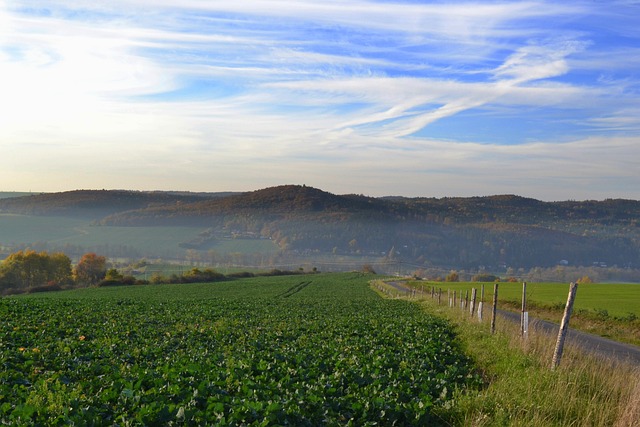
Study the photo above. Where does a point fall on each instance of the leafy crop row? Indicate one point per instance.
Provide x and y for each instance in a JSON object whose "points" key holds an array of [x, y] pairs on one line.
{"points": [[247, 352]]}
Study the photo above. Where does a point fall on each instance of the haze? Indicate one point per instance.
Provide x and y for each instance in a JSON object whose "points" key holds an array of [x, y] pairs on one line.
{"points": [[534, 98]]}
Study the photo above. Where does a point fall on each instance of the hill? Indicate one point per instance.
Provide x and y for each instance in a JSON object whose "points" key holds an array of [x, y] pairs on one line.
{"points": [[282, 202], [495, 232], [93, 203]]}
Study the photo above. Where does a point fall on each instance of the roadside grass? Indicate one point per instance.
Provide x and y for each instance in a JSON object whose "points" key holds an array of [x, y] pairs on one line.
{"points": [[522, 390]]}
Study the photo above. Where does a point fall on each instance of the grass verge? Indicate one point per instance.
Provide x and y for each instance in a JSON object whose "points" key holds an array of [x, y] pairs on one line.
{"points": [[520, 389]]}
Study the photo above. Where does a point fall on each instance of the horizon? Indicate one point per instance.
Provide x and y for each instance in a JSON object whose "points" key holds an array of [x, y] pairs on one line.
{"points": [[32, 193], [374, 97]]}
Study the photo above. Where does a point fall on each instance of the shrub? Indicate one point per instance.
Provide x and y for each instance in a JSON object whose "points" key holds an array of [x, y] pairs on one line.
{"points": [[485, 277]]}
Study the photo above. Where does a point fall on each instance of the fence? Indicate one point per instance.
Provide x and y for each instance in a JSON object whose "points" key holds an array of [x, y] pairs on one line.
{"points": [[469, 302]]}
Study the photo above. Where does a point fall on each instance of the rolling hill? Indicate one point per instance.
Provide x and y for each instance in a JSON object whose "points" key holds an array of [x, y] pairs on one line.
{"points": [[494, 231]]}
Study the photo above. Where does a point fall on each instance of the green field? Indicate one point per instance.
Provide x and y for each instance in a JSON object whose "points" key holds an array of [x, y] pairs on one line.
{"points": [[615, 299], [319, 349], [148, 241]]}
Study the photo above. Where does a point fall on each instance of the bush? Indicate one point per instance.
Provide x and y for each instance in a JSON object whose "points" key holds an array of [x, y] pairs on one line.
{"points": [[109, 282], [45, 288], [241, 274], [485, 277], [368, 269]]}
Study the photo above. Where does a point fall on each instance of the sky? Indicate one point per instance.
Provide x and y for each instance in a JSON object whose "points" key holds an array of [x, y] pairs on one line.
{"points": [[413, 98]]}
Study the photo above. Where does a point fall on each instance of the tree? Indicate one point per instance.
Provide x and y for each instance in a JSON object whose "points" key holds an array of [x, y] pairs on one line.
{"points": [[90, 269], [26, 269], [114, 275], [60, 268], [453, 277], [368, 269], [584, 280]]}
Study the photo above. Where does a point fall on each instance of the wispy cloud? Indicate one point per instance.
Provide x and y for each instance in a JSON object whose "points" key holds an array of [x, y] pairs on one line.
{"points": [[282, 88]]}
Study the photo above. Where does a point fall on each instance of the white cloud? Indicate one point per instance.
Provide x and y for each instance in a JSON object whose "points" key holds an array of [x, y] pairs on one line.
{"points": [[334, 90]]}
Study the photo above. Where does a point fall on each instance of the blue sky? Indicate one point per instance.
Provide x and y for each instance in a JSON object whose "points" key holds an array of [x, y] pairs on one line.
{"points": [[414, 98]]}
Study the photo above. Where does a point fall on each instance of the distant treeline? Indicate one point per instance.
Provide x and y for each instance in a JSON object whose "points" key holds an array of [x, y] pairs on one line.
{"points": [[31, 271]]}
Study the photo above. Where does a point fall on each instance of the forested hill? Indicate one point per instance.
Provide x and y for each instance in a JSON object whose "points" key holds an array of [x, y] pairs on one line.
{"points": [[121, 207], [494, 230], [94, 203], [283, 202]]}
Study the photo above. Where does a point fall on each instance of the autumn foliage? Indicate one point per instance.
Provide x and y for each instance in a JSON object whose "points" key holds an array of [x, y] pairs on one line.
{"points": [[90, 269]]}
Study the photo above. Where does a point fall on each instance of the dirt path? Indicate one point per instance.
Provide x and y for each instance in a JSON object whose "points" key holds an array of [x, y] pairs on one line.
{"points": [[590, 343]]}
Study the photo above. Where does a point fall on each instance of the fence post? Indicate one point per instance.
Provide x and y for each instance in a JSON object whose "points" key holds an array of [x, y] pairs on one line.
{"points": [[472, 308], [481, 304], [493, 310], [439, 296], [562, 333], [524, 308], [454, 299]]}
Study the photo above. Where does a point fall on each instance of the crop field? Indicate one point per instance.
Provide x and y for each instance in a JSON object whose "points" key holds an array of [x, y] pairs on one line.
{"points": [[616, 299], [291, 350]]}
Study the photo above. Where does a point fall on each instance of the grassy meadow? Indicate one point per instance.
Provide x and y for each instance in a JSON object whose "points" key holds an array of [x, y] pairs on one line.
{"points": [[617, 299]]}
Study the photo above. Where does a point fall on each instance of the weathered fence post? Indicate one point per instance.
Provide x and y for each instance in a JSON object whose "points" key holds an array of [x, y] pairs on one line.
{"points": [[439, 296], [454, 299], [481, 304], [493, 310], [524, 308], [472, 308], [564, 325]]}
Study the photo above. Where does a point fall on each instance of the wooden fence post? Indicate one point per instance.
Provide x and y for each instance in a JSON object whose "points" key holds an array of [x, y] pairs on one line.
{"points": [[472, 308], [493, 310], [562, 333], [481, 304], [454, 298], [524, 308]]}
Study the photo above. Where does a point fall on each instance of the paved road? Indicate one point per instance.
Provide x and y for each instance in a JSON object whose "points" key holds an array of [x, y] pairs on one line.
{"points": [[588, 342], [594, 344]]}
